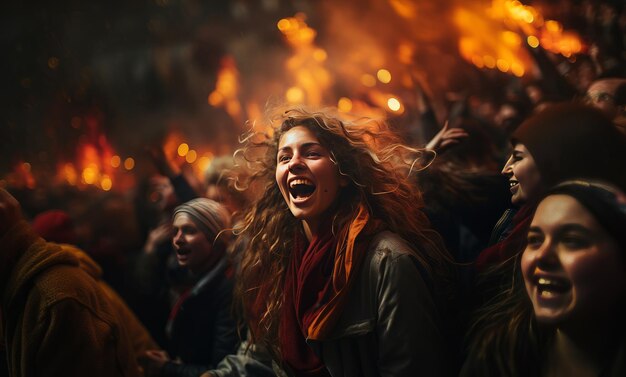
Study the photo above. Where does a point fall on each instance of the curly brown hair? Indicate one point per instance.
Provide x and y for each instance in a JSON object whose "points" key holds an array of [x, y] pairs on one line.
{"points": [[377, 168]]}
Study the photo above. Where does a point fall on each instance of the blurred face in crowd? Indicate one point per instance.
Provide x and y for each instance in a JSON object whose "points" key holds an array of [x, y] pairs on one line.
{"points": [[161, 192], [308, 178], [534, 93], [523, 174], [572, 267], [601, 94], [193, 249]]}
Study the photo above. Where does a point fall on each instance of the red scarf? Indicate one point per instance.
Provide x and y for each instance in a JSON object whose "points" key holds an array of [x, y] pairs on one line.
{"points": [[513, 244], [317, 281]]}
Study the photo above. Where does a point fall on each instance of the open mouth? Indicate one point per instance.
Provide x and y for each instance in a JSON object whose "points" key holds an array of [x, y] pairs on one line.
{"points": [[513, 183], [301, 188], [182, 252], [550, 287]]}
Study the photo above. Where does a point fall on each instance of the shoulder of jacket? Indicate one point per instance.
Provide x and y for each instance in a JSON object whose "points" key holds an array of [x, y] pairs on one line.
{"points": [[389, 244], [64, 282]]}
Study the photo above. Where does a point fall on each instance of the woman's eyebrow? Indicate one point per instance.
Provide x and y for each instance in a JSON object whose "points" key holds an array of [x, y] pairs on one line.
{"points": [[574, 227], [310, 144], [304, 145]]}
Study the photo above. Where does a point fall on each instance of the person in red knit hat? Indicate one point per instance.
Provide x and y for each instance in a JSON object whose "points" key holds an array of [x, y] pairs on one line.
{"points": [[55, 225], [564, 141]]}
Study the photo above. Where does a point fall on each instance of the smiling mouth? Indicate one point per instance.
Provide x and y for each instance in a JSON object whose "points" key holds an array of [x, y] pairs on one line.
{"points": [[301, 189], [551, 287], [513, 183]]}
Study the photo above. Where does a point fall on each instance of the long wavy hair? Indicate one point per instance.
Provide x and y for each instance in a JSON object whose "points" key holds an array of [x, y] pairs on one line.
{"points": [[376, 166], [504, 339]]}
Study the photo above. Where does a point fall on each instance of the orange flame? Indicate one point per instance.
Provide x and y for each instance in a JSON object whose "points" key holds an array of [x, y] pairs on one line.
{"points": [[306, 66], [180, 152], [227, 89], [494, 39], [95, 162]]}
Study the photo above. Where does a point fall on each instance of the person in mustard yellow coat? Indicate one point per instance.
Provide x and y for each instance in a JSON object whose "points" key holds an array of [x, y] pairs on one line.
{"points": [[57, 319]]}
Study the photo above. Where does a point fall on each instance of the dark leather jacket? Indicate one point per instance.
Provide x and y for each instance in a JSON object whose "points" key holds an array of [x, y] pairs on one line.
{"points": [[389, 327], [203, 329]]}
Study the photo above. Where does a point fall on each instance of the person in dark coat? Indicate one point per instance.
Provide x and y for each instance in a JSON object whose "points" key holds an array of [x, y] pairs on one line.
{"points": [[342, 275], [201, 329], [564, 141]]}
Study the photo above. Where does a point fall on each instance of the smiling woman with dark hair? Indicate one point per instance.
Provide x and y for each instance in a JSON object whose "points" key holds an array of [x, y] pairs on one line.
{"points": [[563, 142], [562, 314]]}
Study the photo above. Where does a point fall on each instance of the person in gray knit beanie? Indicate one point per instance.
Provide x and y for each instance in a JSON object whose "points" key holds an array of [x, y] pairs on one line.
{"points": [[211, 219], [201, 329]]}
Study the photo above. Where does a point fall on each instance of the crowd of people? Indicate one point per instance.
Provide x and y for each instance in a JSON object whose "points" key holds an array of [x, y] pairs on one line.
{"points": [[491, 245]]}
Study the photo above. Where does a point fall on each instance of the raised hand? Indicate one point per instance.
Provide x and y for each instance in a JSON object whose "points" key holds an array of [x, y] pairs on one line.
{"points": [[446, 137]]}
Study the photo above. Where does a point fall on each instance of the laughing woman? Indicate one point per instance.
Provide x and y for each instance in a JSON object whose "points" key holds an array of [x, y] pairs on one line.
{"points": [[563, 314], [342, 276]]}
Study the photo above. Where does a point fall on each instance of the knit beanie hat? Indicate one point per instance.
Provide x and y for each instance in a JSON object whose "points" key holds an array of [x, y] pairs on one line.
{"points": [[605, 202], [209, 216], [55, 226], [572, 140]]}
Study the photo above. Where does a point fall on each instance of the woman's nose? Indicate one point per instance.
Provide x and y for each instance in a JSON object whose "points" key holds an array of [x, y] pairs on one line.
{"points": [[295, 163], [546, 256], [508, 167], [178, 238]]}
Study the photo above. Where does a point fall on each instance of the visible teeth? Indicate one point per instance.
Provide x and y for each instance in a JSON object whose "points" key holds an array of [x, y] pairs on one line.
{"points": [[549, 287], [300, 181], [544, 281], [511, 184]]}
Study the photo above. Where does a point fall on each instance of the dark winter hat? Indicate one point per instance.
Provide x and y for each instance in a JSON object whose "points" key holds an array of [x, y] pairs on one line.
{"points": [[55, 226], [605, 202], [572, 140]]}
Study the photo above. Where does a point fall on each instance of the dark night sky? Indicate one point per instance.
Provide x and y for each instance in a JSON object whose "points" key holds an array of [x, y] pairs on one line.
{"points": [[77, 59]]}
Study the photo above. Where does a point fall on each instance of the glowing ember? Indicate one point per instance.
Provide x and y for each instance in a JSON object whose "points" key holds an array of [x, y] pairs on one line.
{"points": [[183, 149], [383, 76], [344, 104], [533, 41], [393, 104], [106, 183], [191, 156], [129, 163]]}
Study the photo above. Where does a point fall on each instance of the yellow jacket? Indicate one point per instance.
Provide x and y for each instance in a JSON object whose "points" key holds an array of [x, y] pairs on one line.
{"points": [[58, 319]]}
